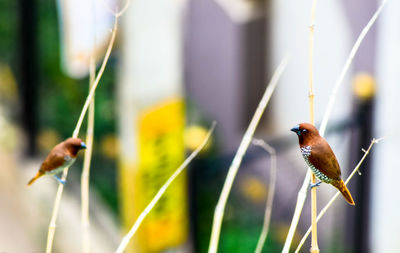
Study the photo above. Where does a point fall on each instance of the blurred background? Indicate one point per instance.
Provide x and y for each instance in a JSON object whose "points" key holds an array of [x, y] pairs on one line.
{"points": [[177, 65]]}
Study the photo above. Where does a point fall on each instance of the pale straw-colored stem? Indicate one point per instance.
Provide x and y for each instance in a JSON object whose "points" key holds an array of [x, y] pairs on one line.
{"points": [[115, 12], [271, 193], [323, 211], [125, 241], [310, 63], [314, 240], [97, 80], [52, 225], [233, 169], [314, 235], [88, 155], [86, 167], [301, 197], [122, 11]]}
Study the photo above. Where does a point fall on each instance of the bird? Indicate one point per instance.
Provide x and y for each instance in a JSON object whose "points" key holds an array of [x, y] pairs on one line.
{"points": [[320, 158], [60, 157]]}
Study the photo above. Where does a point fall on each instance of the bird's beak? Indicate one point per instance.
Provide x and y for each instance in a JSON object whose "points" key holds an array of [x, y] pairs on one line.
{"points": [[83, 145], [296, 129]]}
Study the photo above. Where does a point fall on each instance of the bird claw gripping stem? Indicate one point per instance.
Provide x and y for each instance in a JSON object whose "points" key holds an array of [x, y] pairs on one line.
{"points": [[59, 180], [315, 185]]}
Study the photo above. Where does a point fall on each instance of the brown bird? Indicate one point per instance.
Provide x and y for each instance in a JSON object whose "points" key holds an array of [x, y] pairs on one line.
{"points": [[320, 158], [60, 157]]}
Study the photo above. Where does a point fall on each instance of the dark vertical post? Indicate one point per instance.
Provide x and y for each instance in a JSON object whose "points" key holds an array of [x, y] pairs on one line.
{"points": [[364, 113], [28, 71], [357, 232], [225, 67], [358, 217]]}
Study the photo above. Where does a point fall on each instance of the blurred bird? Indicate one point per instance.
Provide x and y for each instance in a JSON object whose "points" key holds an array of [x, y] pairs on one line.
{"points": [[60, 157], [320, 158]]}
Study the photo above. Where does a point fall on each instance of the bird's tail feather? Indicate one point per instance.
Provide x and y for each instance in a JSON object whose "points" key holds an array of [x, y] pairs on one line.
{"points": [[38, 174], [339, 184]]}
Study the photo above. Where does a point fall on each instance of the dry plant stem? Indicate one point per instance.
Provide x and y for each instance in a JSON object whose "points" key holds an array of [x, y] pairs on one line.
{"points": [[122, 11], [346, 66], [271, 193], [314, 234], [97, 80], [323, 211], [86, 168], [114, 12], [220, 208], [301, 197], [125, 241], [314, 240], [310, 66], [52, 225]]}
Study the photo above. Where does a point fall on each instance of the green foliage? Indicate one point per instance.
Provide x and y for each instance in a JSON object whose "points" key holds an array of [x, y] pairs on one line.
{"points": [[8, 30], [61, 98]]}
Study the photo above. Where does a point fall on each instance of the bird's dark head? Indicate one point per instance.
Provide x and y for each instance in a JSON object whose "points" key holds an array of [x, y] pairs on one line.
{"points": [[74, 145], [306, 132]]}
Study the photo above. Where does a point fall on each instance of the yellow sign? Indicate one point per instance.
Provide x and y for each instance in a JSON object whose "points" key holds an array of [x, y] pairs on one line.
{"points": [[160, 153]]}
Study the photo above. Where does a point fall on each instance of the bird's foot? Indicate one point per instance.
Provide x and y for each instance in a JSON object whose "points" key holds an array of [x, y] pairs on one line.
{"points": [[315, 185], [59, 179]]}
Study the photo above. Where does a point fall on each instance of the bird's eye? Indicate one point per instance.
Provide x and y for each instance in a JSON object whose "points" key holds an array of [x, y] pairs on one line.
{"points": [[304, 130]]}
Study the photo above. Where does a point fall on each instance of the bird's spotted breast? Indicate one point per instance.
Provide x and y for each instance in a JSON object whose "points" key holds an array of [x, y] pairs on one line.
{"points": [[306, 152]]}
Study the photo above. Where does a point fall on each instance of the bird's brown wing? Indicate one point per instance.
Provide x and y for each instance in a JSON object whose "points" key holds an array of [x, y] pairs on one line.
{"points": [[53, 160], [323, 158]]}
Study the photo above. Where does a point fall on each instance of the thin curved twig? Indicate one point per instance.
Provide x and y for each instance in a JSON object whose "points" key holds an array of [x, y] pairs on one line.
{"points": [[323, 211], [271, 193], [125, 241], [114, 12], [96, 82], [86, 167], [233, 169], [346, 66]]}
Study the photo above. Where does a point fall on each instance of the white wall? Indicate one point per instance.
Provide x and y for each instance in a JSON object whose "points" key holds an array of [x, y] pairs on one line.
{"points": [[385, 202], [332, 43]]}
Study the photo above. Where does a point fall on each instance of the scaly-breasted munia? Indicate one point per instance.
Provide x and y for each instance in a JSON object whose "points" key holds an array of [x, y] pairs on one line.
{"points": [[320, 158], [60, 157]]}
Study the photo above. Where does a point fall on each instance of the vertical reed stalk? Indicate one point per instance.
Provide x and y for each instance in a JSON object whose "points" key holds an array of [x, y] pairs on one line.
{"points": [[301, 197], [86, 167], [52, 225], [271, 193], [314, 235]]}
